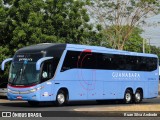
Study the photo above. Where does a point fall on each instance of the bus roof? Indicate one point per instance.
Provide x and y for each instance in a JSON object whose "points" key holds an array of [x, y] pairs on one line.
{"points": [[42, 47], [52, 46], [107, 50]]}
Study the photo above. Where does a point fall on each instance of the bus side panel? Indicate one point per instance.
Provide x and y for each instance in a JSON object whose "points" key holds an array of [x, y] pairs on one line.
{"points": [[112, 90], [152, 89], [88, 81], [95, 90], [151, 79], [81, 84], [69, 79], [47, 91]]}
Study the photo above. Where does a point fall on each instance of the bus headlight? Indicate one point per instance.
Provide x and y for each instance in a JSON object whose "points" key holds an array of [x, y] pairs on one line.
{"points": [[12, 91], [33, 90], [36, 89]]}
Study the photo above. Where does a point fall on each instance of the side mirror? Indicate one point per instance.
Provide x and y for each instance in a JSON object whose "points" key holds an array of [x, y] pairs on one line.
{"points": [[38, 63], [4, 62]]}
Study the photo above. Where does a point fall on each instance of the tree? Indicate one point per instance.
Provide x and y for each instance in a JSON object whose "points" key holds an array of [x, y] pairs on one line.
{"points": [[134, 43], [31, 22], [67, 19], [155, 50], [26, 22], [121, 17], [4, 50]]}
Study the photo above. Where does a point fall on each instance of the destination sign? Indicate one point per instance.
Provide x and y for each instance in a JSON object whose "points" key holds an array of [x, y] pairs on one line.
{"points": [[28, 57]]}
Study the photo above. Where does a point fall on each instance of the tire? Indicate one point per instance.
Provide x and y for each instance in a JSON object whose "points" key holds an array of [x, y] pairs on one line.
{"points": [[128, 97], [61, 98], [138, 96], [33, 103]]}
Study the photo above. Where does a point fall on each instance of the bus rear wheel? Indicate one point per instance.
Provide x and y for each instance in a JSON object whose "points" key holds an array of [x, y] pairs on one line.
{"points": [[61, 98], [138, 96], [128, 97]]}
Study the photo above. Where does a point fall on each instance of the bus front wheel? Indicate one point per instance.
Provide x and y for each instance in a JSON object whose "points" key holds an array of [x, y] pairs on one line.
{"points": [[128, 96], [61, 98], [138, 96]]}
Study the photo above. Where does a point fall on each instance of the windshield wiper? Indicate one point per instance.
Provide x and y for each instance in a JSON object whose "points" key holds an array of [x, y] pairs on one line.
{"points": [[22, 75], [16, 76]]}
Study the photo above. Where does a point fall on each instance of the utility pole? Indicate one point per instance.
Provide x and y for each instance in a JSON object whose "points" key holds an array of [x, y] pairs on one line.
{"points": [[149, 46], [143, 45]]}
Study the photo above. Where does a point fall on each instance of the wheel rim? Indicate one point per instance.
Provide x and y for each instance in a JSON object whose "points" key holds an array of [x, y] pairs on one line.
{"points": [[128, 97], [138, 96], [61, 98]]}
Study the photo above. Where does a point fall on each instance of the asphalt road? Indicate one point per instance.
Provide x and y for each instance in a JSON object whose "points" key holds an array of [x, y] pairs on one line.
{"points": [[6, 105], [82, 107]]}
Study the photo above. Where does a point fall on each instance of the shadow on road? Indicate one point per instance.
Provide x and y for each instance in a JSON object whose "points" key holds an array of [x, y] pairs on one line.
{"points": [[77, 103]]}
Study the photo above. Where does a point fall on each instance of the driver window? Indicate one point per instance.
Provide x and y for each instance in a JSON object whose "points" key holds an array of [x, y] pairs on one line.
{"points": [[47, 71]]}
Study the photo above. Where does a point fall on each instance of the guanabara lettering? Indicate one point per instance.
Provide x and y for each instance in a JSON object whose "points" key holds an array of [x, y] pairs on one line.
{"points": [[125, 75]]}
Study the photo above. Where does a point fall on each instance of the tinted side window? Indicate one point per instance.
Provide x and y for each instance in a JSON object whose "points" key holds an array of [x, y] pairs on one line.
{"points": [[152, 64], [88, 61], [126, 62], [105, 61], [118, 62], [130, 63], [70, 60], [76, 59]]}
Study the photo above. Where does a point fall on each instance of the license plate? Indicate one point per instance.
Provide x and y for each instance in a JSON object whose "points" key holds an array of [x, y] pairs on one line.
{"points": [[19, 97]]}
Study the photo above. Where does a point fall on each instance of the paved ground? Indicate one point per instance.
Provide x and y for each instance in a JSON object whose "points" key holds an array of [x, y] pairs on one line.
{"points": [[146, 105], [110, 108]]}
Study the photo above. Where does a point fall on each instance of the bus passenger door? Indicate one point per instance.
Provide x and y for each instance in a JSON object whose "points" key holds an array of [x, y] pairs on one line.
{"points": [[46, 75]]}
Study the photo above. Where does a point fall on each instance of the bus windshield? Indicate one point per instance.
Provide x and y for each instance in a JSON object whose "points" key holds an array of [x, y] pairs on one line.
{"points": [[23, 74]]}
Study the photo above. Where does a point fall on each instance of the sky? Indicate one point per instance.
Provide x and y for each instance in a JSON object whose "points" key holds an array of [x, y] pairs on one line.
{"points": [[152, 31]]}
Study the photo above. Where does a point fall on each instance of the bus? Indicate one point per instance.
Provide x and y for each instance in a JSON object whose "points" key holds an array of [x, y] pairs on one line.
{"points": [[72, 72]]}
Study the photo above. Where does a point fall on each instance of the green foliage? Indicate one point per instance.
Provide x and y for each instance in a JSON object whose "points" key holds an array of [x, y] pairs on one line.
{"points": [[135, 41], [117, 36], [154, 50], [32, 22], [4, 53], [26, 22]]}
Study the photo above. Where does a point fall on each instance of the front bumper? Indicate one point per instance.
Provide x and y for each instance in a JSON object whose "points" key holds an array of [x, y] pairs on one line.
{"points": [[25, 97]]}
